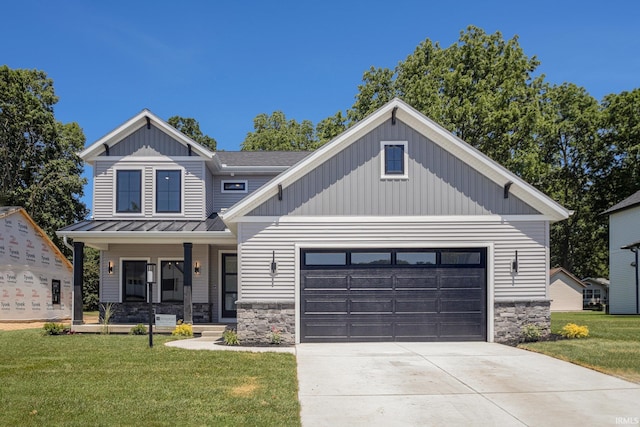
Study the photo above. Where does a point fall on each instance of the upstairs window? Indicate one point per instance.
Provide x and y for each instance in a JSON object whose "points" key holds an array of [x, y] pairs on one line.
{"points": [[234, 186], [128, 191], [168, 191], [394, 159]]}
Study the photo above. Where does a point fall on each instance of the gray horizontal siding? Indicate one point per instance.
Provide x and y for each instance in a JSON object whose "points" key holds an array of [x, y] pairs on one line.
{"points": [[110, 283], [226, 200], [194, 199], [349, 184], [148, 142], [258, 241]]}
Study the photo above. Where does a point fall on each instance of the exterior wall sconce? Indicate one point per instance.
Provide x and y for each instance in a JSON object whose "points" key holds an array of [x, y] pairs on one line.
{"points": [[196, 268], [514, 264], [274, 266], [110, 267]]}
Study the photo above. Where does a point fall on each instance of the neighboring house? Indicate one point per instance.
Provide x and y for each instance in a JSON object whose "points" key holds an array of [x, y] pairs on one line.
{"points": [[624, 241], [35, 277], [395, 230], [565, 290], [596, 292]]}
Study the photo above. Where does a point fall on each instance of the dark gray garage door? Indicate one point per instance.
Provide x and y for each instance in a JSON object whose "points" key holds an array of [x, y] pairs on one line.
{"points": [[393, 295]]}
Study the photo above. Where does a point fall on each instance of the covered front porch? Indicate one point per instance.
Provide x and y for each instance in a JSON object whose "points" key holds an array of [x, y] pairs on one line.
{"points": [[193, 265]]}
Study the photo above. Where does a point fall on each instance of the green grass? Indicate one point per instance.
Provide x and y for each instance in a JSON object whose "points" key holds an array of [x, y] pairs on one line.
{"points": [[613, 345], [100, 380]]}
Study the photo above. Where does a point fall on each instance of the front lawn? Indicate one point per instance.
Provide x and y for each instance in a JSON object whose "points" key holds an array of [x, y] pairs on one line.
{"points": [[613, 345], [81, 380]]}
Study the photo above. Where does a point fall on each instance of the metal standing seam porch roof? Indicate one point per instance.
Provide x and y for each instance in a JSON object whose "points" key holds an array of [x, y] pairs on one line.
{"points": [[211, 224]]}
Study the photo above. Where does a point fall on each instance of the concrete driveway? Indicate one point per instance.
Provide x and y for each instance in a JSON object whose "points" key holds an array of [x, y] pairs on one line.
{"points": [[455, 384]]}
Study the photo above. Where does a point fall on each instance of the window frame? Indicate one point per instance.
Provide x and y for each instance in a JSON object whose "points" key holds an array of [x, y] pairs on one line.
{"points": [[383, 160], [159, 266], [157, 170], [116, 172], [121, 279], [239, 181]]}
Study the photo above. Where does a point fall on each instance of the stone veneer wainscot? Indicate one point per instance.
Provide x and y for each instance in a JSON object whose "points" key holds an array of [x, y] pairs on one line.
{"points": [[510, 316], [256, 318]]}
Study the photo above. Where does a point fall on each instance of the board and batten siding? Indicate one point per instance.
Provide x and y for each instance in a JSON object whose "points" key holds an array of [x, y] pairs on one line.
{"points": [[193, 185], [227, 199], [148, 142], [623, 230], [350, 183], [258, 241], [110, 284]]}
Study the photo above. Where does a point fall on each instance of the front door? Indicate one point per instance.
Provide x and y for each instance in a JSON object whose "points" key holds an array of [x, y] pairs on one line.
{"points": [[229, 285]]}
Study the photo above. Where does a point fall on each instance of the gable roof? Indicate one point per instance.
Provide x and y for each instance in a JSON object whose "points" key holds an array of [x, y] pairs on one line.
{"points": [[629, 202], [557, 270], [6, 211], [431, 130], [143, 118], [261, 158]]}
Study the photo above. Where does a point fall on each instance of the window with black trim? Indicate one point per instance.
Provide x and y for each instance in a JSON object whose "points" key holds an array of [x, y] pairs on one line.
{"points": [[234, 186], [172, 279], [168, 191], [128, 191], [55, 291], [134, 274]]}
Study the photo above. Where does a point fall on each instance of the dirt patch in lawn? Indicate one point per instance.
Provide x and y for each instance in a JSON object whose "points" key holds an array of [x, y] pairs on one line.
{"points": [[16, 326]]}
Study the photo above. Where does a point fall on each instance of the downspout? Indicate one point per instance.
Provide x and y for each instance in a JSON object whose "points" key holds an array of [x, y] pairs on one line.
{"points": [[635, 251], [73, 261]]}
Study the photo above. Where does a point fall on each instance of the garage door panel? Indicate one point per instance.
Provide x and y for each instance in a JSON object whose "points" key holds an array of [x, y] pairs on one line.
{"points": [[326, 305], [416, 282], [371, 282], [371, 305], [315, 281], [416, 306], [393, 303]]}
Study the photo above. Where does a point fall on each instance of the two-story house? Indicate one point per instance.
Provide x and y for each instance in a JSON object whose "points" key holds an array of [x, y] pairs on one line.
{"points": [[395, 230]]}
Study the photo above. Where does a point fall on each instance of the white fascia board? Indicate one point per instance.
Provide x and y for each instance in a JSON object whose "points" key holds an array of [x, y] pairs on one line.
{"points": [[429, 129], [393, 219], [251, 170], [90, 153], [317, 157], [482, 163]]}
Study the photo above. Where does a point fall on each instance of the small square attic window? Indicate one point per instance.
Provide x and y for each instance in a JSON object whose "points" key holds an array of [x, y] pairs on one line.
{"points": [[234, 186], [394, 159]]}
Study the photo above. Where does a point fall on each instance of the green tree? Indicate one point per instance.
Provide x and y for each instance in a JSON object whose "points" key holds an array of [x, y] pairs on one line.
{"points": [[573, 150], [480, 88], [91, 279], [621, 133], [191, 128], [330, 127], [41, 171], [275, 133]]}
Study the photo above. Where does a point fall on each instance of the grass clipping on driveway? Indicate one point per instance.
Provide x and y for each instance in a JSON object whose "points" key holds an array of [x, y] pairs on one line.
{"points": [[613, 345], [80, 380]]}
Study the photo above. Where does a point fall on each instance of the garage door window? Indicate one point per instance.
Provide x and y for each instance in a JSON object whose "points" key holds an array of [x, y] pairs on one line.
{"points": [[325, 258], [370, 258], [416, 258], [461, 258]]}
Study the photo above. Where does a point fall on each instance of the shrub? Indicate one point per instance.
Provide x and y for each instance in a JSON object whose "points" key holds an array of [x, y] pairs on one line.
{"points": [[107, 312], [531, 332], [139, 329], [183, 330], [230, 337], [52, 328], [275, 336], [571, 330]]}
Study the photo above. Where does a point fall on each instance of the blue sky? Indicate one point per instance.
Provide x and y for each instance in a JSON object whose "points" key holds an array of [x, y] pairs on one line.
{"points": [[223, 63]]}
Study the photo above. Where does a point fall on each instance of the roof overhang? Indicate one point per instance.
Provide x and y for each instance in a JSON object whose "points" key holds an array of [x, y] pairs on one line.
{"points": [[102, 239], [145, 117], [550, 209]]}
